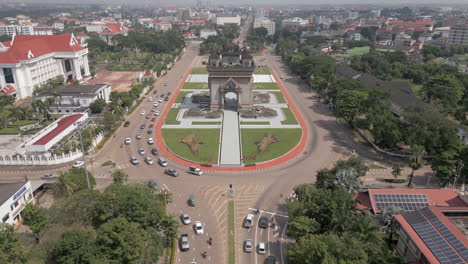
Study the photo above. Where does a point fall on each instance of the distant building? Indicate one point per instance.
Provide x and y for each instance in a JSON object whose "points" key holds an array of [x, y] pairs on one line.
{"points": [[227, 19], [13, 198], [443, 31], [266, 23], [95, 27], [293, 23], [28, 62], [206, 32], [458, 35], [59, 26], [260, 13], [43, 29], [162, 26], [428, 25], [76, 98], [110, 30], [11, 30]]}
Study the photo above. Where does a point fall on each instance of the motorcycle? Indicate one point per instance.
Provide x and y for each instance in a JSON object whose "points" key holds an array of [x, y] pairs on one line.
{"points": [[204, 254], [210, 241]]}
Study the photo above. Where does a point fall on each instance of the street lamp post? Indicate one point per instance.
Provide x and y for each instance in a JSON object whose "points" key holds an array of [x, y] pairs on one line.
{"points": [[84, 155]]}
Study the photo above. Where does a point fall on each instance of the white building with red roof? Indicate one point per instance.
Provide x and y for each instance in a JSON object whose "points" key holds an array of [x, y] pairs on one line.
{"points": [[110, 30], [420, 23], [27, 62]]}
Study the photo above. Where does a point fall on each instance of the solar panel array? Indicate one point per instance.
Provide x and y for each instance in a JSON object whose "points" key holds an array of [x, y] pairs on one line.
{"points": [[449, 236], [432, 238], [407, 202]]}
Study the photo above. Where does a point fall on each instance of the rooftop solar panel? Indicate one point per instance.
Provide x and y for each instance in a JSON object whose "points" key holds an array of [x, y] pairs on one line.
{"points": [[434, 241], [407, 202]]}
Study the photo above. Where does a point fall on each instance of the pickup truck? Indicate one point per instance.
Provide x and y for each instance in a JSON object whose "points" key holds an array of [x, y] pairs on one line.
{"points": [[184, 242], [195, 170]]}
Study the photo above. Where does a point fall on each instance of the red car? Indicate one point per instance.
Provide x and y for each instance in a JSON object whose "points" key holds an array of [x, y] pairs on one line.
{"points": [[152, 119]]}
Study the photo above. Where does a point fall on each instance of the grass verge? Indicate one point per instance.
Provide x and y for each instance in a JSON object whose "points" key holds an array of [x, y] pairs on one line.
{"points": [[288, 139], [208, 140], [194, 85], [108, 163], [232, 233], [206, 123], [265, 71], [279, 97], [171, 118], [199, 70], [290, 118], [266, 86], [255, 123], [375, 167]]}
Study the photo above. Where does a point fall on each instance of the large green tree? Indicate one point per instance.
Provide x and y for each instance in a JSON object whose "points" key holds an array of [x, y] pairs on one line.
{"points": [[76, 246], [349, 105], [443, 89], [34, 217], [444, 165], [11, 251]]}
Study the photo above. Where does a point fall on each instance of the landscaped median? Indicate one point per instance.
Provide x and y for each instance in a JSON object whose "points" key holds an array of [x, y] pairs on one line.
{"points": [[171, 118], [290, 118], [259, 145], [266, 86], [279, 97], [264, 71], [198, 145]]}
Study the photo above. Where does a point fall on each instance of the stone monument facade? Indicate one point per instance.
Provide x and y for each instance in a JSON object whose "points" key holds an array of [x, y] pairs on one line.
{"points": [[230, 70]]}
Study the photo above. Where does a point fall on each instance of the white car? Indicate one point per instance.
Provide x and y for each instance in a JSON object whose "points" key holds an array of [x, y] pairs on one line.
{"points": [[155, 104], [153, 109], [141, 151], [142, 112], [128, 141], [160, 100], [138, 136], [149, 160], [150, 98], [134, 160], [185, 219], [198, 228], [248, 221], [150, 141], [162, 162], [156, 113], [78, 164]]}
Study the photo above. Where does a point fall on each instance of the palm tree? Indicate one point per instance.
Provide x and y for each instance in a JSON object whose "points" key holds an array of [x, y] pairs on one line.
{"points": [[16, 112], [49, 102], [366, 230], [4, 116], [63, 187], [416, 160]]}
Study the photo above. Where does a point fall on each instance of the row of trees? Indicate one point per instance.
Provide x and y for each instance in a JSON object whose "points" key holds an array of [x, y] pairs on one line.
{"points": [[124, 224], [257, 38]]}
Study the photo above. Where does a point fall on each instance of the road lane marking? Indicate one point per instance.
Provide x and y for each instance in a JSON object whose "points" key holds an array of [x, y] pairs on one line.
{"points": [[255, 239], [271, 213], [281, 242]]}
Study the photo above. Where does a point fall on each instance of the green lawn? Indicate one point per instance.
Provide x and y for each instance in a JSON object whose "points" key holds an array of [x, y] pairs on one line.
{"points": [[206, 123], [266, 86], [375, 167], [191, 85], [358, 51], [181, 96], [279, 97], [9, 131], [232, 233], [209, 141], [462, 57], [19, 123], [255, 123], [171, 117], [199, 70], [262, 71], [288, 139], [290, 118]]}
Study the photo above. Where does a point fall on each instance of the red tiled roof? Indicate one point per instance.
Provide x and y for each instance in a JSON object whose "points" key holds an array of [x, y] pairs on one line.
{"points": [[148, 73], [38, 45], [62, 124], [435, 197], [419, 22], [113, 28], [8, 89], [420, 244], [43, 19]]}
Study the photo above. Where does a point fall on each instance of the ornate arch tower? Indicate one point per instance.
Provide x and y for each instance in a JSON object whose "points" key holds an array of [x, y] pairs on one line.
{"points": [[230, 71]]}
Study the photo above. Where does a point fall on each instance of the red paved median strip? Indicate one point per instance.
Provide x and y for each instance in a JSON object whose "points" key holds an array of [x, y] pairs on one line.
{"points": [[297, 150]]}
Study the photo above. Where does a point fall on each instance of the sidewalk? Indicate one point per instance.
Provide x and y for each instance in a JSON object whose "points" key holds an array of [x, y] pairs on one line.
{"points": [[230, 146]]}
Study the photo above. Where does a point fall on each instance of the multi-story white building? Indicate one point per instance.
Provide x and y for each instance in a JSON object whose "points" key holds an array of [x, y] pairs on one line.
{"points": [[162, 26], [458, 35], [110, 30], [266, 23], [13, 199], [206, 32], [11, 30], [260, 13], [227, 19], [95, 27], [27, 62], [59, 26], [294, 23]]}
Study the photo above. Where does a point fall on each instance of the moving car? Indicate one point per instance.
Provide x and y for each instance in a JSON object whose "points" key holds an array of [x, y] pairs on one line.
{"points": [[154, 151], [263, 222], [248, 221], [198, 228], [138, 136], [191, 200], [148, 116], [127, 123], [162, 162], [166, 99], [171, 172], [195, 170], [261, 248], [270, 260], [49, 176], [152, 184], [185, 219], [128, 141], [134, 160], [78, 164], [150, 98], [150, 141], [141, 151], [160, 100], [248, 245], [153, 109], [149, 160], [184, 242], [165, 84], [150, 130], [169, 93], [156, 113], [155, 105], [142, 126], [142, 112]]}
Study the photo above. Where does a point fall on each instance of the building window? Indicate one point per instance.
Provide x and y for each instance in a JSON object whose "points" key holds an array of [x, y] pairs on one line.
{"points": [[8, 73], [67, 66], [6, 217], [14, 205]]}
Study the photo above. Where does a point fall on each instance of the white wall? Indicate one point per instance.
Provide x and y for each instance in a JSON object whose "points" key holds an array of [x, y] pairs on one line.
{"points": [[19, 200]]}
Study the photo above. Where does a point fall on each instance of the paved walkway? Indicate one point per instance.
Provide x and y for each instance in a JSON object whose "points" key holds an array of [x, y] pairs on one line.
{"points": [[230, 146]]}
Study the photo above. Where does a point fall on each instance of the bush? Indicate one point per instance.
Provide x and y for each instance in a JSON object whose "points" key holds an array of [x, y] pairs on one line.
{"points": [[97, 106], [206, 165], [395, 180], [250, 164]]}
